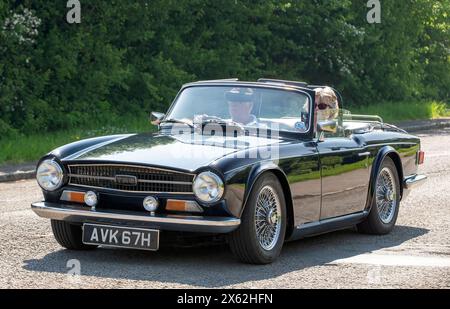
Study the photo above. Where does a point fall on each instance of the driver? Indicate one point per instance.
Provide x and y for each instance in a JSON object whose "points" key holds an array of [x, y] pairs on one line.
{"points": [[240, 105]]}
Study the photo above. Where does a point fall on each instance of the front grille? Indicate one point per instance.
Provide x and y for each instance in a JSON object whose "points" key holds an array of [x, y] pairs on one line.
{"points": [[130, 178]]}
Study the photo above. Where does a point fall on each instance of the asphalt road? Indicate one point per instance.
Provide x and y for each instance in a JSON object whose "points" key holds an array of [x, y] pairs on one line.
{"points": [[415, 255]]}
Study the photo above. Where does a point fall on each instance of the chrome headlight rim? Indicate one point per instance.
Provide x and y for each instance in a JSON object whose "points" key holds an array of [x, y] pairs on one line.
{"points": [[220, 186], [60, 174]]}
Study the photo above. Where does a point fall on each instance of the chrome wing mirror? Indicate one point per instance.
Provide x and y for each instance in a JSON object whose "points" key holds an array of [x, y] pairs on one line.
{"points": [[156, 118], [326, 127]]}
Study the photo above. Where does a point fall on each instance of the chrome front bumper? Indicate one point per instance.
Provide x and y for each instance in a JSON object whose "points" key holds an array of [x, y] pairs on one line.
{"points": [[162, 222], [412, 182]]}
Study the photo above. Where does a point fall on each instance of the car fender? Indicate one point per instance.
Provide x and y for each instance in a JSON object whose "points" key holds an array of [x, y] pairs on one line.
{"points": [[377, 162], [257, 171], [77, 147]]}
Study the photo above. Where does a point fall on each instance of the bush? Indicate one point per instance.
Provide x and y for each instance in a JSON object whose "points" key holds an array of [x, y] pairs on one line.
{"points": [[130, 57]]}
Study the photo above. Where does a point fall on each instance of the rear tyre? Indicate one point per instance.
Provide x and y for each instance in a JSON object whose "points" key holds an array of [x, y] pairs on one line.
{"points": [[386, 201], [260, 237], [69, 235]]}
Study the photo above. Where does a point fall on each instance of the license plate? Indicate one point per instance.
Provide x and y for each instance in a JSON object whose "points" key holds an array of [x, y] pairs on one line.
{"points": [[123, 237]]}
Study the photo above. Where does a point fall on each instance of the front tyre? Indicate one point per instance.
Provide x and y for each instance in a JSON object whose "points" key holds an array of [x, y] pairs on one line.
{"points": [[386, 202], [69, 235], [260, 237]]}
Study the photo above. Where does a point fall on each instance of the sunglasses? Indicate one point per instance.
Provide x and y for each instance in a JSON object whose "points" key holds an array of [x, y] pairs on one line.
{"points": [[322, 106]]}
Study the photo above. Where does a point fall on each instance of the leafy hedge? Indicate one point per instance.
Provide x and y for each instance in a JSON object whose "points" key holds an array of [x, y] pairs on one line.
{"points": [[132, 56]]}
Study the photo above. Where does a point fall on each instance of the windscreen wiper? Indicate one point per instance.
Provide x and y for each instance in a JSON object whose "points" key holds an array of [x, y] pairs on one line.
{"points": [[178, 121], [221, 121]]}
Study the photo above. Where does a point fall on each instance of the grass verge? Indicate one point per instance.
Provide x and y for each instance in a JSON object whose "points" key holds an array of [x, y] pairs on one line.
{"points": [[402, 111]]}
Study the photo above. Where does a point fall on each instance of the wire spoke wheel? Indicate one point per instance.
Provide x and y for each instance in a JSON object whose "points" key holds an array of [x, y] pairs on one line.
{"points": [[260, 237], [386, 195], [385, 204], [268, 218]]}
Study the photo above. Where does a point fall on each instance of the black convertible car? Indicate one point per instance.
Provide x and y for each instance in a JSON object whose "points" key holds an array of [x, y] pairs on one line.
{"points": [[253, 162]]}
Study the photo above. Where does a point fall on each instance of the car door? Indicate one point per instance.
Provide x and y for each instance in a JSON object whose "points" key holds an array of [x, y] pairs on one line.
{"points": [[345, 175]]}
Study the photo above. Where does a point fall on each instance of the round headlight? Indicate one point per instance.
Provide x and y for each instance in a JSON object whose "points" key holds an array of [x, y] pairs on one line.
{"points": [[150, 204], [91, 198], [208, 187], [49, 175]]}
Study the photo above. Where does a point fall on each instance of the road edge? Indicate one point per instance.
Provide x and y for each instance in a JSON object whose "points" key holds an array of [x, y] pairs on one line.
{"points": [[16, 176]]}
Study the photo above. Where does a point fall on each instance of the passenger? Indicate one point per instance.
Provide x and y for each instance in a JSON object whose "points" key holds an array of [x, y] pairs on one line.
{"points": [[327, 107]]}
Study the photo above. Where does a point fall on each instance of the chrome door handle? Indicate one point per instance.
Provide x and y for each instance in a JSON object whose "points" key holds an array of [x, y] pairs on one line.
{"points": [[364, 154]]}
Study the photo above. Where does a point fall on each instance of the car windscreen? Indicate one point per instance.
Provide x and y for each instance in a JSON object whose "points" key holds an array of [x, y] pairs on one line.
{"points": [[283, 110]]}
